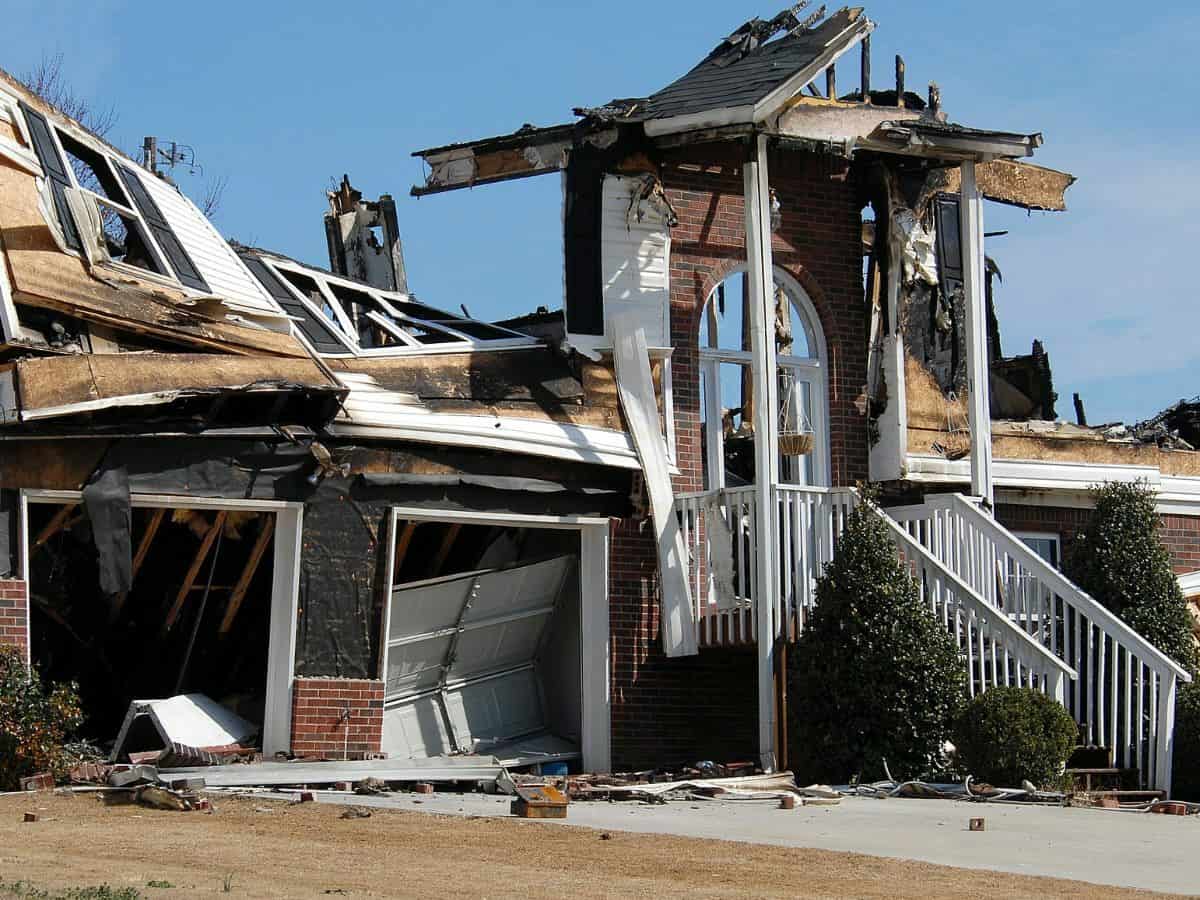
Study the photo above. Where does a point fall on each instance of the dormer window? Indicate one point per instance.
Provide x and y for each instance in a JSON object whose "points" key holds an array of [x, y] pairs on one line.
{"points": [[105, 211]]}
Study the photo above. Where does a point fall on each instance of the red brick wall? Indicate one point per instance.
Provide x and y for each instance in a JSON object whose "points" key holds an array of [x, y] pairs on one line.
{"points": [[14, 616], [1180, 534], [819, 243], [321, 726], [671, 711]]}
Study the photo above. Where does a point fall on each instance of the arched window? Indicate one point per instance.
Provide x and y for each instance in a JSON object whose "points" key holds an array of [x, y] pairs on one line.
{"points": [[727, 385]]}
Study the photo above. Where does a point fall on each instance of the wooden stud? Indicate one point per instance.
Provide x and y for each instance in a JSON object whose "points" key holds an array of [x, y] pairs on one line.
{"points": [[243, 585], [201, 554], [402, 544], [118, 600], [439, 558], [56, 524], [866, 69], [900, 81], [831, 82]]}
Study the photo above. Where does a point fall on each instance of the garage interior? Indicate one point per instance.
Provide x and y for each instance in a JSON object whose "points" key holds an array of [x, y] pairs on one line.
{"points": [[196, 619], [483, 648]]}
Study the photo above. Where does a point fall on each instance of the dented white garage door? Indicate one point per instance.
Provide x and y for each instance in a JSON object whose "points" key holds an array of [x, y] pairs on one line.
{"points": [[463, 657]]}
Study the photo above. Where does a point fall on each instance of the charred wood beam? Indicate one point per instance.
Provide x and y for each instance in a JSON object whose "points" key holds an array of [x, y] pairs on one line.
{"points": [[439, 558], [201, 554], [403, 542], [57, 523], [118, 600], [248, 573], [831, 82], [866, 69], [900, 72]]}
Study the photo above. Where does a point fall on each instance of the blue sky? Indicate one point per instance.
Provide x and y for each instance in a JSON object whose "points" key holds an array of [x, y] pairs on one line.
{"points": [[281, 98]]}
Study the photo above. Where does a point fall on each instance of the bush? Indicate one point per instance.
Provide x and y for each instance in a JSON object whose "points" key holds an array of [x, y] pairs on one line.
{"points": [[1011, 733], [874, 677], [1119, 559], [35, 719], [1185, 781]]}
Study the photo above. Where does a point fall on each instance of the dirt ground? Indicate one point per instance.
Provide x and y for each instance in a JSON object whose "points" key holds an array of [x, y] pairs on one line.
{"points": [[273, 849]]}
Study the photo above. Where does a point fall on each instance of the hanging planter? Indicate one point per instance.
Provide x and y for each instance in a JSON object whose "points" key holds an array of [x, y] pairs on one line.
{"points": [[795, 438]]}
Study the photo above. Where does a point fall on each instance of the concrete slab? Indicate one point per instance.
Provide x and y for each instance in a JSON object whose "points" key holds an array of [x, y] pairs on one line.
{"points": [[1152, 852]]}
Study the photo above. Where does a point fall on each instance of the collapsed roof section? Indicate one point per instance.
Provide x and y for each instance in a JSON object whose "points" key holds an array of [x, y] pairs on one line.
{"points": [[755, 80]]}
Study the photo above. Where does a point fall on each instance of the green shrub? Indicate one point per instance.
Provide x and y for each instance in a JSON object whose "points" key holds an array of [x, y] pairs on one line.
{"points": [[1185, 781], [1119, 559], [1012, 733], [874, 677], [35, 720]]}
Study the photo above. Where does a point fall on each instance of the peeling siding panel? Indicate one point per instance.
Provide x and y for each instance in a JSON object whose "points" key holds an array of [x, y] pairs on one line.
{"points": [[635, 262], [226, 275]]}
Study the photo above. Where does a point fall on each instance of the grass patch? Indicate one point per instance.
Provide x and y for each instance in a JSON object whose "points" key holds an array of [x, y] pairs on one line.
{"points": [[26, 891]]}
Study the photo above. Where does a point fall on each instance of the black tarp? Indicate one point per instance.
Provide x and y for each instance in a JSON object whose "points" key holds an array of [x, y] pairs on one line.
{"points": [[106, 500]]}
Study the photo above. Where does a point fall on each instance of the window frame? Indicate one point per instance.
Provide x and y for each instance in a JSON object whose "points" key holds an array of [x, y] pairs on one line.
{"points": [[125, 207], [1053, 536], [386, 316]]}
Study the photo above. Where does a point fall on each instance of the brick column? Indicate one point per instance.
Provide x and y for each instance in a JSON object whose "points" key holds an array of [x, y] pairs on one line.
{"points": [[338, 718], [14, 616]]}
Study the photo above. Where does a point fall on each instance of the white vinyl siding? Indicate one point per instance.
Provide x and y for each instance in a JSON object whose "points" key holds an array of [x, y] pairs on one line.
{"points": [[227, 277], [635, 260]]}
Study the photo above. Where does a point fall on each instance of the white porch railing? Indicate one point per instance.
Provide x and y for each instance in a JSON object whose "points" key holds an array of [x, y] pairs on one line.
{"points": [[1123, 692], [723, 552]]}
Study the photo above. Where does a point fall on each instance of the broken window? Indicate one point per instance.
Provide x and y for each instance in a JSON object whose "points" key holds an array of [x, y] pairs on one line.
{"points": [[104, 210], [373, 322]]}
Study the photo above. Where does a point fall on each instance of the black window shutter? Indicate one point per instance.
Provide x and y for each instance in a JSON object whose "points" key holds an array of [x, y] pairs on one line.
{"points": [[56, 172], [184, 268], [322, 338], [584, 273]]}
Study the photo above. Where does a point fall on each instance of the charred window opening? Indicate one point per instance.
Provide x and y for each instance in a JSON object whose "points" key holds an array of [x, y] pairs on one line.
{"points": [[196, 619]]}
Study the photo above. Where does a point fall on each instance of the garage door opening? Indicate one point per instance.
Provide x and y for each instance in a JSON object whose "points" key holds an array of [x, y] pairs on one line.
{"points": [[484, 649], [196, 619]]}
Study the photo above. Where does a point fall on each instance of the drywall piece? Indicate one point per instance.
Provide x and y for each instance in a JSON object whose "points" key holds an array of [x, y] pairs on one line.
{"points": [[635, 386], [445, 768], [190, 719]]}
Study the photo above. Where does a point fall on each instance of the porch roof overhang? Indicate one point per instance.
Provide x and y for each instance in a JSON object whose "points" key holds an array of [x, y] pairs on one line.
{"points": [[947, 142]]}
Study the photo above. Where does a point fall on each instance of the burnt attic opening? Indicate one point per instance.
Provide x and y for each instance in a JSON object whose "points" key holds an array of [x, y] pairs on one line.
{"points": [[196, 619]]}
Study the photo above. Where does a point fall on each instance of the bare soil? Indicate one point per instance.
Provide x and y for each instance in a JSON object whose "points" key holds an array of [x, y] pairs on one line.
{"points": [[272, 849]]}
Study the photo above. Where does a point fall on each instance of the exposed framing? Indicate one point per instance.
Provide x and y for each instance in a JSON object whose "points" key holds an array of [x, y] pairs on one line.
{"points": [[285, 585], [596, 718]]}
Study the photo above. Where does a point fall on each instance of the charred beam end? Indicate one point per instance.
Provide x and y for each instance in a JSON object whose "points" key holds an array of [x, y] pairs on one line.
{"points": [[899, 80], [866, 69], [935, 99], [1080, 415]]}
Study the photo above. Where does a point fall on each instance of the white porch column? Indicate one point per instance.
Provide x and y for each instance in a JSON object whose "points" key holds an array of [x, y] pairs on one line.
{"points": [[971, 240], [759, 275]]}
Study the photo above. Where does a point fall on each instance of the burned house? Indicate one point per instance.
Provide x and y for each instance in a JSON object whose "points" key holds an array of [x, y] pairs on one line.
{"points": [[374, 526]]}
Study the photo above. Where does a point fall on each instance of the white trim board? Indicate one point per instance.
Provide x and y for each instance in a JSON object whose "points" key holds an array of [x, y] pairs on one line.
{"points": [[1190, 584], [1066, 484], [285, 584]]}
